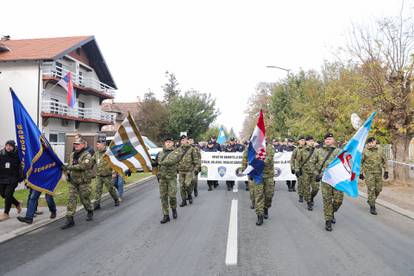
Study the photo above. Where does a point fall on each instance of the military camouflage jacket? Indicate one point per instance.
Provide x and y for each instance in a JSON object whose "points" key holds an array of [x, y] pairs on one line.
{"points": [[167, 162], [102, 166], [198, 167], [320, 155], [80, 170], [294, 165], [269, 167], [373, 160], [303, 161], [190, 160]]}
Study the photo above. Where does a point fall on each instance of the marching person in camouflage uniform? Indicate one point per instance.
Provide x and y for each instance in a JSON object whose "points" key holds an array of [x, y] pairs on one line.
{"points": [[194, 182], [167, 162], [306, 172], [295, 165], [189, 164], [250, 181], [79, 177], [103, 174], [263, 192], [332, 198], [373, 162]]}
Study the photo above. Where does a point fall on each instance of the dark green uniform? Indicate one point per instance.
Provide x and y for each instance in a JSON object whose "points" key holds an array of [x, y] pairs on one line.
{"points": [[194, 182], [79, 170], [167, 163], [295, 165], [332, 198], [250, 181], [264, 191], [373, 162], [189, 162], [307, 168], [103, 177]]}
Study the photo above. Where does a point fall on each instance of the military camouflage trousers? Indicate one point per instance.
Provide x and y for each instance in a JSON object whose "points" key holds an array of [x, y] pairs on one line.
{"points": [[84, 192], [185, 179], [194, 183], [374, 186], [310, 186], [263, 194], [251, 191], [300, 185], [332, 200], [100, 182], [168, 193]]}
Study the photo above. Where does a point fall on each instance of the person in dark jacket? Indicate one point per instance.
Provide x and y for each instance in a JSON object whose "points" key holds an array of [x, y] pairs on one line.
{"points": [[217, 146], [211, 148], [11, 173]]}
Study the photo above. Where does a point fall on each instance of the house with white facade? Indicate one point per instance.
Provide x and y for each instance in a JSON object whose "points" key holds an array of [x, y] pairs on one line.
{"points": [[32, 67]]}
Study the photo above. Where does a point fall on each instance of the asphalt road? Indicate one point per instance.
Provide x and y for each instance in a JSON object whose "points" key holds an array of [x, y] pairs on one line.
{"points": [[129, 240]]}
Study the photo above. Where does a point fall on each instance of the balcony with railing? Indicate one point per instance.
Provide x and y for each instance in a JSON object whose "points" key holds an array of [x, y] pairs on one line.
{"points": [[82, 83], [53, 109]]}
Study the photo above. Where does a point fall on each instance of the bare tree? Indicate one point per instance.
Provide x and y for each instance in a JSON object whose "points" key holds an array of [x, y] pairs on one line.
{"points": [[385, 53]]}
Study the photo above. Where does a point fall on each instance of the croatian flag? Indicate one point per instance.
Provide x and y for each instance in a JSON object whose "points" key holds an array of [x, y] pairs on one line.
{"points": [[343, 172], [67, 83], [221, 139], [256, 153]]}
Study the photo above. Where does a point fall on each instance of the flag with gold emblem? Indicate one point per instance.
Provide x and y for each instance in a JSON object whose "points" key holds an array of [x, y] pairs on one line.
{"points": [[127, 150]]}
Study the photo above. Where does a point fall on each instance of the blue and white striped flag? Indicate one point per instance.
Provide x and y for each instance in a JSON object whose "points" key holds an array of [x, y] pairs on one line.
{"points": [[343, 172]]}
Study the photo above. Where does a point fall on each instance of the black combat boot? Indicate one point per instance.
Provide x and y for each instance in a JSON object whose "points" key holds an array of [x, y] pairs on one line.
{"points": [[259, 220], [89, 216], [300, 198], [116, 202], [25, 220], [310, 207], [190, 199], [174, 212], [293, 186], [209, 187], [247, 185], [333, 220], [372, 210], [52, 215], [252, 206], [266, 213], [97, 207], [69, 223], [165, 219], [183, 203], [328, 225], [195, 192]]}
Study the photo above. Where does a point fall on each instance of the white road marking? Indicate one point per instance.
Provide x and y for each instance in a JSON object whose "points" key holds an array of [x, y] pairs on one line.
{"points": [[231, 250]]}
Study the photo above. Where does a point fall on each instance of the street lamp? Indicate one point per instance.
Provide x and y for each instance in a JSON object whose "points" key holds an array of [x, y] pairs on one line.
{"points": [[277, 67]]}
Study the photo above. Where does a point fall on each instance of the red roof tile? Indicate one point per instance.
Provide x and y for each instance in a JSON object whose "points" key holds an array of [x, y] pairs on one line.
{"points": [[40, 49]]}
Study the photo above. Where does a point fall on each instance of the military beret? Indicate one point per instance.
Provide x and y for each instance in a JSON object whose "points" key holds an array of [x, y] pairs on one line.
{"points": [[309, 137], [371, 139], [290, 140], [214, 137], [183, 137], [168, 138], [328, 135]]}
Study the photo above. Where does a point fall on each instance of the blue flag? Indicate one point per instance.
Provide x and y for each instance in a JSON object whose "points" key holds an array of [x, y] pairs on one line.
{"points": [[343, 172], [42, 167], [221, 139]]}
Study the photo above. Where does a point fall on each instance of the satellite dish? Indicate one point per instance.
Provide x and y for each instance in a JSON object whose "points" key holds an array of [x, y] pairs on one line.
{"points": [[355, 121]]}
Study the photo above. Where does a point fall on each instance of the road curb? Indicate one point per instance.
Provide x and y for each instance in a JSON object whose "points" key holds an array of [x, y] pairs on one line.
{"points": [[45, 221], [391, 206]]}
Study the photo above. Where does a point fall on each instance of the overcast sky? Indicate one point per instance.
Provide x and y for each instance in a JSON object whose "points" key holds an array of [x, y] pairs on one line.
{"points": [[219, 47]]}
